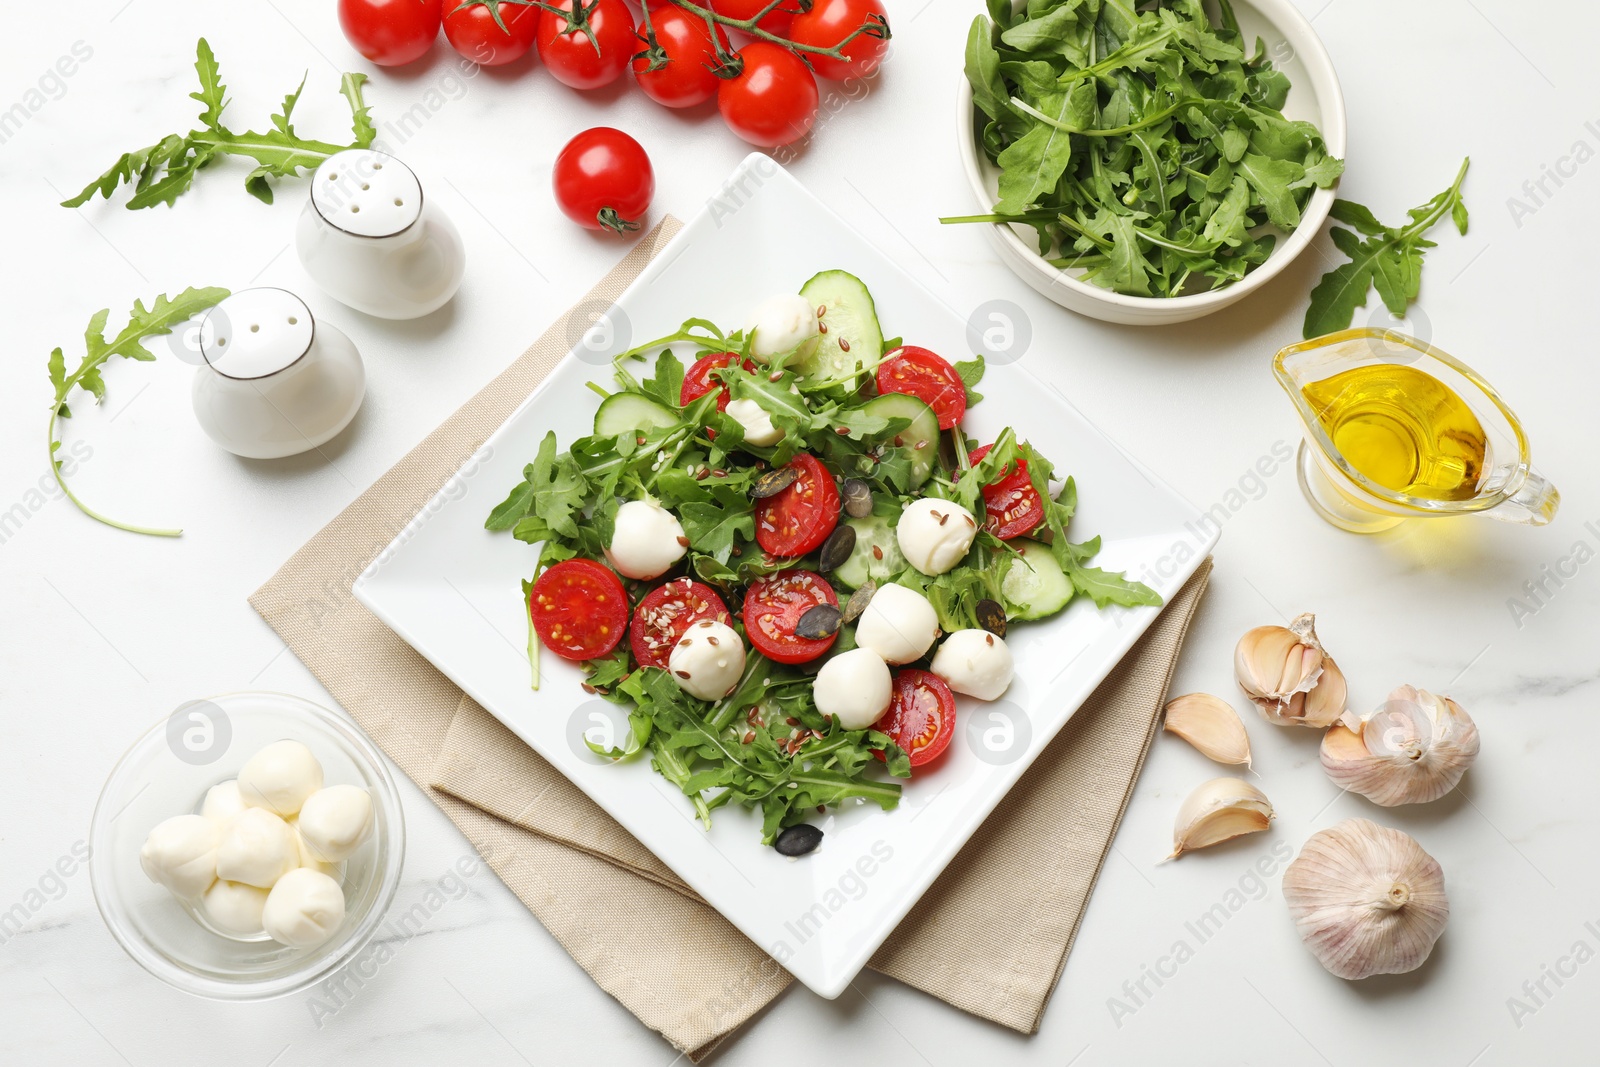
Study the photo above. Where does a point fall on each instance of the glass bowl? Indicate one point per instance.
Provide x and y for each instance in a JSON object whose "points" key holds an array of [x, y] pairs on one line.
{"points": [[167, 773]]}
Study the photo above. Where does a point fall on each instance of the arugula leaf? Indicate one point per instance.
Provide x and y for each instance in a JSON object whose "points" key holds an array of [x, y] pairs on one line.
{"points": [[1390, 259], [712, 526], [553, 490], [971, 372]]}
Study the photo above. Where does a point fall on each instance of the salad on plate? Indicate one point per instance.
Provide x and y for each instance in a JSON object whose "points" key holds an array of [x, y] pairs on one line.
{"points": [[786, 558]]}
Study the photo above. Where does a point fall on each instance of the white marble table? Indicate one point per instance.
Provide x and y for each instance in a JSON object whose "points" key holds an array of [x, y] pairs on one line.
{"points": [[104, 632]]}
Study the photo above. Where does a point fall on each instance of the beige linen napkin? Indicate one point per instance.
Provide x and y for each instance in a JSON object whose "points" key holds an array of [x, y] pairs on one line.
{"points": [[990, 935]]}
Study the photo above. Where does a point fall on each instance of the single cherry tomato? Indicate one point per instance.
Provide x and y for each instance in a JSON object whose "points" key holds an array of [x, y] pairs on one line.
{"points": [[589, 46], [922, 716], [797, 519], [777, 22], [665, 613], [927, 376], [773, 100], [579, 609], [772, 609], [831, 21], [697, 381], [603, 180], [391, 33], [1011, 505], [679, 72], [491, 33]]}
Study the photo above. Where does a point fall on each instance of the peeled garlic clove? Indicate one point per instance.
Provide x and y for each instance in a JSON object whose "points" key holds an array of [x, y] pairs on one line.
{"points": [[1412, 750], [1288, 675], [1220, 810], [1211, 725], [1366, 899]]}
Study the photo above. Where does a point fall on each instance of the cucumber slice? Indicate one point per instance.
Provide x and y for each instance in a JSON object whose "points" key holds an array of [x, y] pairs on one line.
{"points": [[872, 531], [1034, 583], [620, 413], [921, 438], [849, 315]]}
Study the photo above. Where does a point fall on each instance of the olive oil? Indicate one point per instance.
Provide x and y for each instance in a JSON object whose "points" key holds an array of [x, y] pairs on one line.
{"points": [[1402, 428]]}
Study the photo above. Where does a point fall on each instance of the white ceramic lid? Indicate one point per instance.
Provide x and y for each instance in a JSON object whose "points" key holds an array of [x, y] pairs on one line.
{"points": [[256, 332], [366, 193]]}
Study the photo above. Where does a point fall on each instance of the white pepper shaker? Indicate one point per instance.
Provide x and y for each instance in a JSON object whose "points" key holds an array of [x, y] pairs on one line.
{"points": [[371, 239], [274, 381]]}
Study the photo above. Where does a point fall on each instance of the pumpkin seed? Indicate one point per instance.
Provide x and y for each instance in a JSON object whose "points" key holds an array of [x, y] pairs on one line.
{"points": [[798, 840], [773, 482], [992, 617], [857, 498], [818, 623], [858, 602], [837, 548]]}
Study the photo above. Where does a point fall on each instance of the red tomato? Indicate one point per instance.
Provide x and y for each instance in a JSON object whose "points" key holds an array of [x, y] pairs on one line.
{"points": [[773, 100], [391, 32], [798, 519], [697, 381], [831, 21], [603, 180], [772, 609], [927, 376], [471, 28], [687, 55], [777, 22], [1011, 505], [588, 50], [665, 613], [579, 609], [921, 717]]}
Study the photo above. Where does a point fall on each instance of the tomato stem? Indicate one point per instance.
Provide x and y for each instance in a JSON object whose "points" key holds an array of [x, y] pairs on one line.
{"points": [[610, 220], [875, 25]]}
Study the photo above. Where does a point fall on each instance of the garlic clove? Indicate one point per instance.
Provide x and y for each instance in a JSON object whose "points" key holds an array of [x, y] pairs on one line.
{"points": [[1328, 698], [1412, 750], [1219, 810], [1286, 673], [1366, 899], [1211, 725]]}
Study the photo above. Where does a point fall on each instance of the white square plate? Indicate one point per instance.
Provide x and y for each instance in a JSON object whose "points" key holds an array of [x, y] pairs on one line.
{"points": [[452, 590]]}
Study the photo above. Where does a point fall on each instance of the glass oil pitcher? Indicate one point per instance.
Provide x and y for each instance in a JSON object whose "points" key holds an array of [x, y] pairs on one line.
{"points": [[1396, 429]]}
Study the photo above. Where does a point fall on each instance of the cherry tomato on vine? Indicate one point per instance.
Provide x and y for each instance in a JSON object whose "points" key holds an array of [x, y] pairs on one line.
{"points": [[831, 21], [678, 72], [777, 22], [587, 46], [773, 101], [391, 33], [490, 32], [604, 181]]}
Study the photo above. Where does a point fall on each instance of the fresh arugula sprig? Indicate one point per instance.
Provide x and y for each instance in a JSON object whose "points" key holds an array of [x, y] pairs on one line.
{"points": [[143, 324], [1390, 259], [165, 170]]}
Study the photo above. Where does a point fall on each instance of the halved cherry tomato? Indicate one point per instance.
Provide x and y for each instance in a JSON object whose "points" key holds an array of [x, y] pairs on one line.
{"points": [[921, 717], [390, 32], [471, 28], [831, 21], [774, 99], [590, 50], [697, 382], [579, 609], [927, 376], [772, 609], [1011, 504], [777, 22], [665, 613], [684, 75], [796, 520]]}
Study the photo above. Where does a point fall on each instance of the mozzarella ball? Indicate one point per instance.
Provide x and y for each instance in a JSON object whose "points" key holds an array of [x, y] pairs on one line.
{"points": [[757, 424], [334, 822], [304, 909], [934, 534], [854, 688], [223, 801], [707, 660], [899, 624], [974, 662], [181, 854], [645, 540], [256, 847], [782, 325], [280, 777], [234, 907]]}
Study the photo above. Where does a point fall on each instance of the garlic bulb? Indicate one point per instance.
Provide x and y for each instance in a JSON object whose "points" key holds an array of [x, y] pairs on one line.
{"points": [[1288, 675], [1366, 899], [1220, 810], [1413, 749], [1210, 725]]}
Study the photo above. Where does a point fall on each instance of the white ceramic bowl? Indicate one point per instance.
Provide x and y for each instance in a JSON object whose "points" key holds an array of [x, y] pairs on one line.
{"points": [[1315, 97]]}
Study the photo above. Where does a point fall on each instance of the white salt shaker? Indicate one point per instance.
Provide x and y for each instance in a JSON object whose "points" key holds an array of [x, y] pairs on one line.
{"points": [[371, 239], [274, 381]]}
